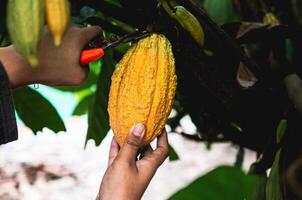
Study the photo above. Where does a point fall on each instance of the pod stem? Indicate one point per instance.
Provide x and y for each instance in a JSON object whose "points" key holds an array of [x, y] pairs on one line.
{"points": [[168, 7]]}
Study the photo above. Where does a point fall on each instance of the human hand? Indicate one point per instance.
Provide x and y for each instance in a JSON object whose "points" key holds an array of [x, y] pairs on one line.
{"points": [[57, 65], [127, 178]]}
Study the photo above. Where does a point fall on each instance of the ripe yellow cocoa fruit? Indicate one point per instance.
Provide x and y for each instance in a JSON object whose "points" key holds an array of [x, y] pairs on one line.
{"points": [[143, 88], [57, 17]]}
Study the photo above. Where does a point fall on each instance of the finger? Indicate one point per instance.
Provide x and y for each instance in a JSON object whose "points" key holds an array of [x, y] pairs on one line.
{"points": [[88, 34], [161, 152], [113, 152], [162, 140], [133, 141], [147, 152]]}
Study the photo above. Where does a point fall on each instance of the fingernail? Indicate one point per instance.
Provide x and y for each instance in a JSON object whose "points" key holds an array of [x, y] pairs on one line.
{"points": [[138, 130]]}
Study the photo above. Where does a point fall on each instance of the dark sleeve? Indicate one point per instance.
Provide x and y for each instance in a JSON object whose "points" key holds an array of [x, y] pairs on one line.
{"points": [[8, 126]]}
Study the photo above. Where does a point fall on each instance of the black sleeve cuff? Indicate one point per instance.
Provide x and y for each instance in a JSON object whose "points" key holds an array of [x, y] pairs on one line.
{"points": [[8, 126]]}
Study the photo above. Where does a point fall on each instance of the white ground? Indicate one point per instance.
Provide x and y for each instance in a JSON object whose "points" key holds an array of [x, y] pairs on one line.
{"points": [[64, 153]]}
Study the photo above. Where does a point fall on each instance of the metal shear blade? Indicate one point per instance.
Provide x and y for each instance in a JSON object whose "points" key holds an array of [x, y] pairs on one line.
{"points": [[131, 37]]}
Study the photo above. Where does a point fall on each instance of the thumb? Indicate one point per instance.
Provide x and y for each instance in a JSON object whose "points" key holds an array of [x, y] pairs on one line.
{"points": [[133, 141]]}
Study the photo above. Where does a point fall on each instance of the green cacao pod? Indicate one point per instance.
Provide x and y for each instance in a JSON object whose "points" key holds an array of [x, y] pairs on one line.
{"points": [[189, 22], [25, 20], [143, 88]]}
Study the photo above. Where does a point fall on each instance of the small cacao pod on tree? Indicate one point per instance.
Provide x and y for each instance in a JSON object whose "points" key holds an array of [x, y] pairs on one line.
{"points": [[25, 20], [189, 22], [143, 88], [186, 20]]}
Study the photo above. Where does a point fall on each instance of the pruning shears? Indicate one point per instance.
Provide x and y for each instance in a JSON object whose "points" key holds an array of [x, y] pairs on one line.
{"points": [[96, 48]]}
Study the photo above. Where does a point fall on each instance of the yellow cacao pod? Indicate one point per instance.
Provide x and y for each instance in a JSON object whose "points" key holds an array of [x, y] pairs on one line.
{"points": [[25, 20], [271, 19], [189, 22], [57, 16], [143, 88]]}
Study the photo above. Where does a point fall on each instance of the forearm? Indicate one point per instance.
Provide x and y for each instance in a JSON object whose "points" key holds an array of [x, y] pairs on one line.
{"points": [[58, 66], [17, 68]]}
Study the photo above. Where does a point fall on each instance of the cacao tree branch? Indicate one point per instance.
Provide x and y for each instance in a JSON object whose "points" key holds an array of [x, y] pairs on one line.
{"points": [[222, 35]]}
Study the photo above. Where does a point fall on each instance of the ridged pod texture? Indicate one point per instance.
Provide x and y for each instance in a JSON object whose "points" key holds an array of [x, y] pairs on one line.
{"points": [[57, 16], [143, 88], [25, 20]]}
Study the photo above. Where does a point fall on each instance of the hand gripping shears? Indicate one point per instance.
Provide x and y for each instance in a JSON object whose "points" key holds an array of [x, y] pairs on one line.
{"points": [[97, 47]]}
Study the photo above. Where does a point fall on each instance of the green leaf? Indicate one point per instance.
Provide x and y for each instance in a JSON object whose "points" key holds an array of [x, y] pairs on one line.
{"points": [[37, 112], [208, 52], [273, 189], [281, 130], [260, 191], [87, 11], [172, 154], [95, 66], [122, 48], [289, 50], [114, 2], [98, 117], [83, 93], [223, 183], [221, 11], [83, 105]]}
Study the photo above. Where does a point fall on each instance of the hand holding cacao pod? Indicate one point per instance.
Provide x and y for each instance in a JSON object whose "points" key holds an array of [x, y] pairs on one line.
{"points": [[143, 88]]}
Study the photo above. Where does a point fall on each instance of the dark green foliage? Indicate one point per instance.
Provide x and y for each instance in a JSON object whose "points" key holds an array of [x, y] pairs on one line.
{"points": [[222, 183], [98, 117], [37, 112]]}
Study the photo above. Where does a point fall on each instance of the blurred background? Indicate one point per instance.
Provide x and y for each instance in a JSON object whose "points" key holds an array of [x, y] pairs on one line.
{"points": [[236, 116]]}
